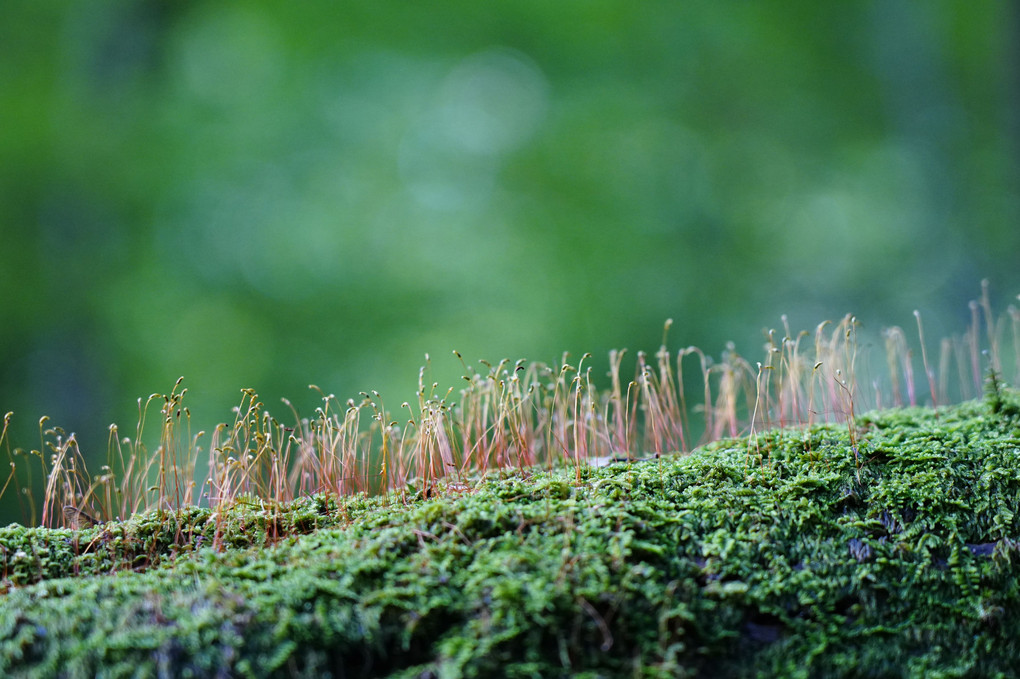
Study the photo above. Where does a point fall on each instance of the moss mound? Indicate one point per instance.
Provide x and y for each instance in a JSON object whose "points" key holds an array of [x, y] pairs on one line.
{"points": [[883, 550]]}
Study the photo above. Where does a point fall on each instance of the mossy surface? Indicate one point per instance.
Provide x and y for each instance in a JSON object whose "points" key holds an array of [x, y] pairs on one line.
{"points": [[890, 552]]}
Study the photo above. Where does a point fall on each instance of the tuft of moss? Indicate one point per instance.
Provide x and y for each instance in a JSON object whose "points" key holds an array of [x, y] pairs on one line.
{"points": [[889, 549]]}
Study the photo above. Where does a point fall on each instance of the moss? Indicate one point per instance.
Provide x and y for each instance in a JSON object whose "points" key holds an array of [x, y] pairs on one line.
{"points": [[788, 555], [29, 555]]}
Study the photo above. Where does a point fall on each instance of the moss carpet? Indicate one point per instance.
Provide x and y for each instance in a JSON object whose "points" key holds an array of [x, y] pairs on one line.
{"points": [[803, 552]]}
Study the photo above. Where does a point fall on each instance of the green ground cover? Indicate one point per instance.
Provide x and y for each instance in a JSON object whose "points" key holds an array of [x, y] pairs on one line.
{"points": [[886, 547]]}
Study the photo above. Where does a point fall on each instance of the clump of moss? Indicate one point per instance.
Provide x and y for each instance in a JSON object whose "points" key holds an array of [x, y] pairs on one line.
{"points": [[153, 538], [885, 547]]}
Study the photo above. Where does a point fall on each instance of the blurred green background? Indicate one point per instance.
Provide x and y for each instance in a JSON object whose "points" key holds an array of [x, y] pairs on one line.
{"points": [[270, 195]]}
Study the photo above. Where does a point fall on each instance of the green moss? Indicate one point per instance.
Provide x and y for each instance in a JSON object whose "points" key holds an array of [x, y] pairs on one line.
{"points": [[28, 555], [786, 555]]}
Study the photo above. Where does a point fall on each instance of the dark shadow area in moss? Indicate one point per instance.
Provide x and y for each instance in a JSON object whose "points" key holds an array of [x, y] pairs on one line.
{"points": [[796, 553]]}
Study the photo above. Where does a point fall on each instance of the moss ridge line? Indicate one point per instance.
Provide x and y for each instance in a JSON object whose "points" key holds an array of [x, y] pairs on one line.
{"points": [[887, 545]]}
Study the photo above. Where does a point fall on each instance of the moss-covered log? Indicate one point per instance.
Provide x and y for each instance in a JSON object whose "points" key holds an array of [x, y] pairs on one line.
{"points": [[889, 548]]}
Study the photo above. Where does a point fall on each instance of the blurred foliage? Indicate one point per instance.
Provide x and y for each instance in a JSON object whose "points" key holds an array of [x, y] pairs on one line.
{"points": [[265, 195]]}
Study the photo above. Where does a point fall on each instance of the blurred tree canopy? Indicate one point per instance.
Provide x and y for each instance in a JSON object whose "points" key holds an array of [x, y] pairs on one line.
{"points": [[269, 194]]}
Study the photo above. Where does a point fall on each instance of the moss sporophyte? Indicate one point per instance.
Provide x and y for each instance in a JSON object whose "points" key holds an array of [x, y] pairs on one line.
{"points": [[824, 541]]}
